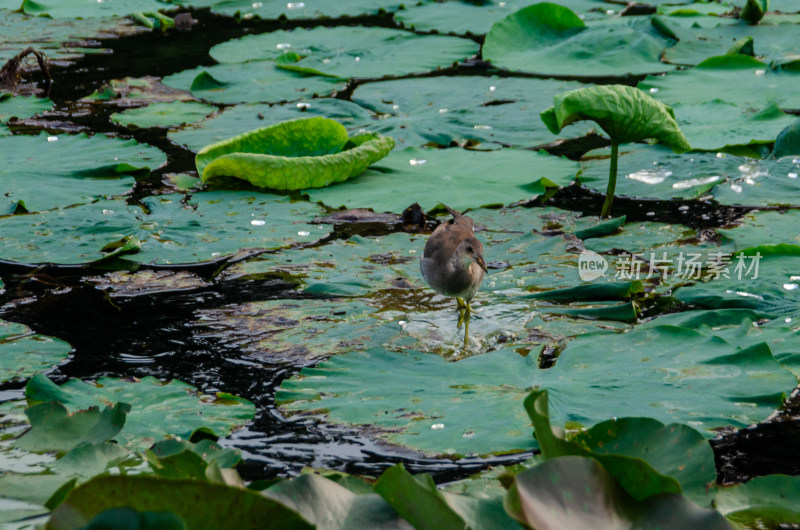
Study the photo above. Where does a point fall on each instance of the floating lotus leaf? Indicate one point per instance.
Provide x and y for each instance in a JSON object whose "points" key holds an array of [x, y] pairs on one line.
{"points": [[769, 501], [756, 228], [82, 9], [88, 168], [709, 383], [25, 353], [747, 82], [349, 51], [774, 292], [158, 409], [211, 226], [550, 39], [788, 141], [256, 82], [21, 107], [292, 155], [476, 18], [242, 118], [462, 179], [774, 42], [443, 110], [164, 114], [133, 91], [63, 40], [295, 10]]}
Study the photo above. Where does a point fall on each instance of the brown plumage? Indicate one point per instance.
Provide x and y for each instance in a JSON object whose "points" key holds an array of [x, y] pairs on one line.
{"points": [[453, 263]]}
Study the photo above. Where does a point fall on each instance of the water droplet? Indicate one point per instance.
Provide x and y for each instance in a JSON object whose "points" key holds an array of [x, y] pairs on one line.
{"points": [[653, 90], [52, 138], [257, 222], [787, 319], [326, 60], [303, 105], [492, 88], [690, 183], [481, 126], [437, 426], [247, 16], [358, 59], [736, 188], [790, 286], [417, 161], [760, 72], [108, 212], [216, 254], [610, 12], [412, 251], [402, 323], [256, 5], [650, 176], [283, 45], [442, 111], [684, 208], [722, 155], [792, 175], [501, 4], [295, 5], [395, 107], [303, 233], [650, 214]]}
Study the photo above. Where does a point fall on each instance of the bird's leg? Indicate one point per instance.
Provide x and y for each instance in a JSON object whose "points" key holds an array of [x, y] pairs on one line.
{"points": [[461, 308], [466, 314]]}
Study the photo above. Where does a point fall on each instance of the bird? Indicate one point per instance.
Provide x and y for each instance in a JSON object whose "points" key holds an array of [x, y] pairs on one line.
{"points": [[453, 265]]}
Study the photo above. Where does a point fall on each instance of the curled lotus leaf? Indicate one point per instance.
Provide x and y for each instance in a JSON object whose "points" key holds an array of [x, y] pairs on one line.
{"points": [[293, 155], [625, 113]]}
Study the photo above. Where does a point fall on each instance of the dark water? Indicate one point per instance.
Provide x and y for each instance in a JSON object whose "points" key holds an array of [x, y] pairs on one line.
{"points": [[154, 334]]}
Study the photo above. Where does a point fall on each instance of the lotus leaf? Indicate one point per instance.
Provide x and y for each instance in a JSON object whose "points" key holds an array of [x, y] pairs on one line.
{"points": [[549, 39], [292, 155], [54, 429], [465, 179], [25, 353], [242, 118], [256, 82], [443, 110], [769, 501], [788, 141], [709, 383], [199, 504], [88, 168], [164, 114], [21, 107], [83, 9], [349, 51], [544, 496], [476, 18], [774, 292], [295, 10], [157, 409]]}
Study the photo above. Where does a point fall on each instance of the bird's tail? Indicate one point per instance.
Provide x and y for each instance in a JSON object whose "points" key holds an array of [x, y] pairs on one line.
{"points": [[456, 215]]}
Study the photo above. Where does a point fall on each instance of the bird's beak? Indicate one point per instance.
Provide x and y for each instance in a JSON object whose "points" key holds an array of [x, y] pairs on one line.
{"points": [[479, 261]]}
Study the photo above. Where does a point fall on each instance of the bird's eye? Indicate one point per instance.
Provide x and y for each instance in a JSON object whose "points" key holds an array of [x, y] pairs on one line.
{"points": [[469, 248]]}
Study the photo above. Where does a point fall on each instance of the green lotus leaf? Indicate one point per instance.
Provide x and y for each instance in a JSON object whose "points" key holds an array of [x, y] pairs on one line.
{"points": [[81, 9], [349, 51], [25, 353], [331, 505], [163, 114], [625, 113], [754, 10], [550, 39], [788, 141], [200, 504], [21, 107], [130, 519], [757, 227], [88, 168], [295, 10], [766, 502], [546, 496], [297, 154], [157, 409], [461, 178], [774, 291]]}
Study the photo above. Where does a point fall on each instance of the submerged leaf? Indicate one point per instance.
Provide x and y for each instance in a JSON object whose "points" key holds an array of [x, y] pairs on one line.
{"points": [[297, 154]]}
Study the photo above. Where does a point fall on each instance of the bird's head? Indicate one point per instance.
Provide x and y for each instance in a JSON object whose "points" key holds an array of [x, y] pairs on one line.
{"points": [[471, 249]]}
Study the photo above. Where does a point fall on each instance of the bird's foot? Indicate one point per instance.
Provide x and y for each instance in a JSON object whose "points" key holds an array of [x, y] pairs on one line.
{"points": [[462, 305]]}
